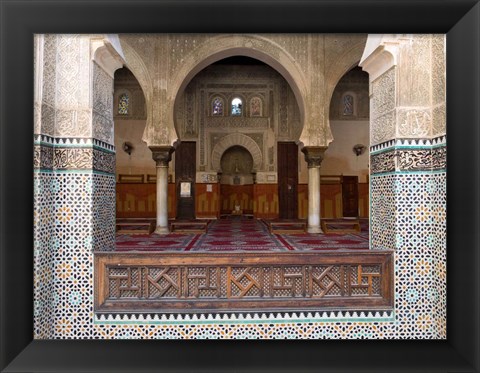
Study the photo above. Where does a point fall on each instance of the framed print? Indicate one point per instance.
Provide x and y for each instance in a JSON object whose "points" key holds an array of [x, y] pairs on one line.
{"points": [[397, 295], [185, 189], [127, 178]]}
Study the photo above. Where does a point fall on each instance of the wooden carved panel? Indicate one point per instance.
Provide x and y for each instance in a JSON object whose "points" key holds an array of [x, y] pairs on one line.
{"points": [[200, 281]]}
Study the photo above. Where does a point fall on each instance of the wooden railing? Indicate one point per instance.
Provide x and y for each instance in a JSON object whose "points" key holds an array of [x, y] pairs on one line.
{"points": [[176, 282]]}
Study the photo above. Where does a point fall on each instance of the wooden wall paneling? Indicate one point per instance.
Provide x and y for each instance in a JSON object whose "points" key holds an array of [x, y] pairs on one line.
{"points": [[266, 204], [363, 200], [236, 194], [303, 201], [207, 203]]}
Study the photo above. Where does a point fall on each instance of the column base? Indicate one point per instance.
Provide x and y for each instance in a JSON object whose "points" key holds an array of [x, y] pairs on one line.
{"points": [[314, 229], [162, 230]]}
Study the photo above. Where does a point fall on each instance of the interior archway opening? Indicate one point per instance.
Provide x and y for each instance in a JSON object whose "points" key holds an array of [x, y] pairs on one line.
{"points": [[345, 168]]}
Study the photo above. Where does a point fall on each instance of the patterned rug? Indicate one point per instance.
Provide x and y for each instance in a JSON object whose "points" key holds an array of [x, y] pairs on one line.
{"points": [[239, 234]]}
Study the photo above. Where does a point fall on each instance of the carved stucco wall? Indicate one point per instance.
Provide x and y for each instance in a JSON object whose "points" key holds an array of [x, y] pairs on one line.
{"points": [[409, 97], [312, 65], [279, 119]]}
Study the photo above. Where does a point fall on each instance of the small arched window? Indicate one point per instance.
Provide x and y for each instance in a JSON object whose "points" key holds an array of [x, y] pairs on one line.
{"points": [[123, 104], [217, 106], [348, 105], [237, 106], [256, 107]]}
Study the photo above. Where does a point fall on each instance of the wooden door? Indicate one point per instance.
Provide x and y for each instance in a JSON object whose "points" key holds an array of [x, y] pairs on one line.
{"points": [[287, 165], [185, 166], [350, 196]]}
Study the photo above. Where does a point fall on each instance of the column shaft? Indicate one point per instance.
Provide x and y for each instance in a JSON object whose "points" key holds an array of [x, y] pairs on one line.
{"points": [[314, 200], [162, 156], [314, 157], [162, 200]]}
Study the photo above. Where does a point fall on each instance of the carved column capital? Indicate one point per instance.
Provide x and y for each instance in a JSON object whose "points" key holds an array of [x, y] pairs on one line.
{"points": [[162, 155], [314, 155]]}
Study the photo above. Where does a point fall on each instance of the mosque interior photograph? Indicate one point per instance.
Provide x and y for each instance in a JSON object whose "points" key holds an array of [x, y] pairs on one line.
{"points": [[238, 186]]}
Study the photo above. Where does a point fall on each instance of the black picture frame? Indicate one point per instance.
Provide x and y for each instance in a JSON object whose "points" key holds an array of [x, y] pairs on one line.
{"points": [[460, 20]]}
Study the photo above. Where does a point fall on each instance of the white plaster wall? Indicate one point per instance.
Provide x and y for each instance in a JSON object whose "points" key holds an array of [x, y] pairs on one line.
{"points": [[140, 161], [339, 157]]}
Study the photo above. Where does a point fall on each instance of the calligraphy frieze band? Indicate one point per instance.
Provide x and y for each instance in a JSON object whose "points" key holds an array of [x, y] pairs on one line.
{"points": [[409, 155], [73, 154]]}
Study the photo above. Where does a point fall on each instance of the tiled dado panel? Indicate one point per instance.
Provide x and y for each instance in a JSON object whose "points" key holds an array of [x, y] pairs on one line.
{"points": [[408, 215], [44, 215], [74, 213]]}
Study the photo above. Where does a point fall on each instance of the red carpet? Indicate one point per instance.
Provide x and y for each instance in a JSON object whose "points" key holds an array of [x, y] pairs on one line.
{"points": [[237, 234]]}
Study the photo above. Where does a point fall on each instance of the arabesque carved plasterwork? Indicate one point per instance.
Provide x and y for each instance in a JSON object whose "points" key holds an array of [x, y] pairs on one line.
{"points": [[48, 119], [414, 122], [73, 71], [102, 128], [237, 122], [69, 123], [439, 120], [438, 69], [49, 69], [102, 105], [383, 93], [382, 128]]}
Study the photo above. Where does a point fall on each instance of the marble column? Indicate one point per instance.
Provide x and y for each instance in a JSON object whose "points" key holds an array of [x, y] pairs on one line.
{"points": [[162, 155], [314, 157]]}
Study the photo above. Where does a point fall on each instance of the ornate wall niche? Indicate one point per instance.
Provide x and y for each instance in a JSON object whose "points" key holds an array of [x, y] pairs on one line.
{"points": [[255, 107], [122, 101], [236, 139], [349, 104], [217, 106], [126, 83]]}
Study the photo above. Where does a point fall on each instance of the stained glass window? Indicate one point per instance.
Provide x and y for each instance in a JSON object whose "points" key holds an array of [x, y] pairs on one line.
{"points": [[236, 106], [123, 104], [255, 107], [348, 105], [217, 106]]}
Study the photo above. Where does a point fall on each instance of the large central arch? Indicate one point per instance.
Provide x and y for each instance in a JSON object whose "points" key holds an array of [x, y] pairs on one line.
{"points": [[254, 46]]}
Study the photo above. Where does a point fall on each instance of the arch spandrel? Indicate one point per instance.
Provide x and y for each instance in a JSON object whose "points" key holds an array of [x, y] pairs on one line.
{"points": [[336, 66], [138, 68]]}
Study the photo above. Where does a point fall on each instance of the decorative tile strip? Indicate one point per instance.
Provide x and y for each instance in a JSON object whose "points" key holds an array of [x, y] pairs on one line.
{"points": [[175, 282], [75, 142], [103, 161], [439, 158], [54, 158], [414, 160], [382, 162], [244, 317], [73, 158], [43, 157], [383, 146], [417, 158]]}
